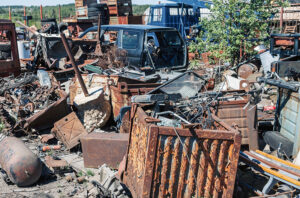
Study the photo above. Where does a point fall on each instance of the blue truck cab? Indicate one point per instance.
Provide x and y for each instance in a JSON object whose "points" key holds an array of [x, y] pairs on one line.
{"points": [[178, 15], [148, 46]]}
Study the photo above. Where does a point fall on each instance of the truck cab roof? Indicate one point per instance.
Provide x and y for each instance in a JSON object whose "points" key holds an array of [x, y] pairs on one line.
{"points": [[137, 27]]}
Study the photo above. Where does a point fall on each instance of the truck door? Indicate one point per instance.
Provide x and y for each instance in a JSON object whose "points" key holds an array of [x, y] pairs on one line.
{"points": [[132, 41]]}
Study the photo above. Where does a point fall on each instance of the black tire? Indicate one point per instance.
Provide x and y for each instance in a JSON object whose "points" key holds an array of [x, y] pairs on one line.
{"points": [[4, 47]]}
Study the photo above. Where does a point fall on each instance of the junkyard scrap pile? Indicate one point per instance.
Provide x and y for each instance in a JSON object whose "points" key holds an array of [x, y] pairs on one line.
{"points": [[120, 115]]}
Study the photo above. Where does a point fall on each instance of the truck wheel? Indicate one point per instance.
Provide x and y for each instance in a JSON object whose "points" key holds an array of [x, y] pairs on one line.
{"points": [[5, 47]]}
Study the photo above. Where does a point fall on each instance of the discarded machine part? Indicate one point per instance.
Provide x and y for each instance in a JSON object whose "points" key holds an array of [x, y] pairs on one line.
{"points": [[155, 98], [122, 93], [54, 163], [289, 69], [236, 83], [286, 136], [293, 86], [46, 118], [290, 42], [69, 130], [104, 148], [240, 113], [168, 161], [22, 166], [188, 84], [9, 56], [245, 70]]}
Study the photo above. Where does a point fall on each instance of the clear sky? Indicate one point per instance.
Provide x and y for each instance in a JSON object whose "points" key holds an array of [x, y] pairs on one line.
{"points": [[55, 2]]}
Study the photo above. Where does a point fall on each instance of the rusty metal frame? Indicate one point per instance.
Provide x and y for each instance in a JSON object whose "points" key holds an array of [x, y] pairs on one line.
{"points": [[8, 67], [157, 164]]}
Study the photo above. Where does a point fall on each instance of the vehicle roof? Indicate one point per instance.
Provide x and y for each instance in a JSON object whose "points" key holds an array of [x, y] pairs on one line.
{"points": [[171, 5], [137, 27]]}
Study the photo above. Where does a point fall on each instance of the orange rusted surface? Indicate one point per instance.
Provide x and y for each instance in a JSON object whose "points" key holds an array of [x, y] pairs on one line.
{"points": [[204, 164]]}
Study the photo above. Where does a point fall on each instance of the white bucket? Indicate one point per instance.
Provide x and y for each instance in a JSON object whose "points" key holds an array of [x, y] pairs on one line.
{"points": [[24, 49]]}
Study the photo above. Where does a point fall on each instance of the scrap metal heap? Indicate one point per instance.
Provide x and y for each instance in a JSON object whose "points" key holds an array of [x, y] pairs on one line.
{"points": [[104, 121]]}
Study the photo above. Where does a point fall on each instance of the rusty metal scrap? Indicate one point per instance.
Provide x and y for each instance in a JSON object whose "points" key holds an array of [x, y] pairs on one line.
{"points": [[168, 161], [26, 98], [69, 130], [103, 148]]}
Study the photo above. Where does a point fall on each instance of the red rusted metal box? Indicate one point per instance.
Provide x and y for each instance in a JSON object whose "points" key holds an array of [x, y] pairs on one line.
{"points": [[104, 148], [201, 163], [9, 56], [240, 113]]}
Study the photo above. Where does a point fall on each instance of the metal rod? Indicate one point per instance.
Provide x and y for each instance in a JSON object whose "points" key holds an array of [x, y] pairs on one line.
{"points": [[28, 28], [41, 12], [281, 18], [79, 77], [174, 114], [25, 21], [59, 12], [9, 9]]}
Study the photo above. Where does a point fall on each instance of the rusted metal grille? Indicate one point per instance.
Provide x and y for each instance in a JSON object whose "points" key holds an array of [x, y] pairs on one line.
{"points": [[201, 163]]}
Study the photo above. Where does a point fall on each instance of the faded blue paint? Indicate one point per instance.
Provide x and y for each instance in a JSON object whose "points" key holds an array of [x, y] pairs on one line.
{"points": [[290, 119]]}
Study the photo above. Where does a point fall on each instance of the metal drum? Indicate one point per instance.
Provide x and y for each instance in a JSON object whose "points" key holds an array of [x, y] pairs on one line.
{"points": [[21, 165]]}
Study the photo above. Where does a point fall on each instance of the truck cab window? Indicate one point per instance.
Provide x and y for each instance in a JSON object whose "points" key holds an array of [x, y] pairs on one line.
{"points": [[130, 39]]}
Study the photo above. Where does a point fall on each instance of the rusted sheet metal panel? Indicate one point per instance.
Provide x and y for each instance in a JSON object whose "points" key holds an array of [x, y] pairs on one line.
{"points": [[69, 130], [104, 148], [46, 118], [122, 93], [158, 165], [236, 113]]}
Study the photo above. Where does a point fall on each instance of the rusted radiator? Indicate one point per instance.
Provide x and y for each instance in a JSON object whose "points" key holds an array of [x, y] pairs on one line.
{"points": [[201, 163]]}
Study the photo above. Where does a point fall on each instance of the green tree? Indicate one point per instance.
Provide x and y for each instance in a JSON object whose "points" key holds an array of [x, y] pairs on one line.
{"points": [[235, 25]]}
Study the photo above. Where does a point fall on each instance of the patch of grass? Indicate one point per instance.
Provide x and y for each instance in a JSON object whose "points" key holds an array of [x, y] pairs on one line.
{"points": [[90, 173], [80, 174], [1, 126]]}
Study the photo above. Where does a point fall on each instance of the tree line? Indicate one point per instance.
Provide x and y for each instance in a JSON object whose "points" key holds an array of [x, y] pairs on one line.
{"points": [[67, 10]]}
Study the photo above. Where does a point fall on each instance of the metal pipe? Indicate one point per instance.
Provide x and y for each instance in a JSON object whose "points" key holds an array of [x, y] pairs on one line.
{"points": [[281, 18], [25, 21], [28, 28], [174, 114], [9, 9], [41, 12], [79, 77], [59, 12]]}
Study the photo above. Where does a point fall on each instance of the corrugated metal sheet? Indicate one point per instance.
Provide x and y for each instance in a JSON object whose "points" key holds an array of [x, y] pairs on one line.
{"points": [[159, 165]]}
